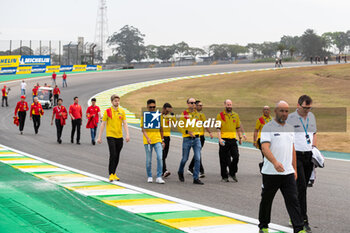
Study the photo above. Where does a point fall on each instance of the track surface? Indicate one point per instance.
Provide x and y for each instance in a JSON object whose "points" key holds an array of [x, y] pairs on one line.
{"points": [[329, 202]]}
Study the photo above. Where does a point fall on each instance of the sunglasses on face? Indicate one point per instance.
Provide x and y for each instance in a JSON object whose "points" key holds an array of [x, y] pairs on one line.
{"points": [[306, 108], [191, 102], [152, 107]]}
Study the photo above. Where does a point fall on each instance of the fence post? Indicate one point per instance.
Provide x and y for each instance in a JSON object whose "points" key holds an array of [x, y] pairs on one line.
{"points": [[20, 47], [30, 47], [10, 47], [40, 47]]}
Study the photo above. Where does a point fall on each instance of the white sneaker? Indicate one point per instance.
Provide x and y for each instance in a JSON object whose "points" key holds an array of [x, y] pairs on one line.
{"points": [[150, 180], [159, 180]]}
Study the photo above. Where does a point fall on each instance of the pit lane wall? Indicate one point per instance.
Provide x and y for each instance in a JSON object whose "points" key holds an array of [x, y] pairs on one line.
{"points": [[35, 64]]}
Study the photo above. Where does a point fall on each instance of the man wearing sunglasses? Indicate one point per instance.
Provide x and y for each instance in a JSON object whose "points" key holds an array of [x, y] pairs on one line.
{"points": [[305, 129], [190, 136], [153, 139], [199, 108]]}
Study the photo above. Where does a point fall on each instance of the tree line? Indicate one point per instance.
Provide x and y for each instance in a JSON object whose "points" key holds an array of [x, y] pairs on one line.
{"points": [[128, 45]]}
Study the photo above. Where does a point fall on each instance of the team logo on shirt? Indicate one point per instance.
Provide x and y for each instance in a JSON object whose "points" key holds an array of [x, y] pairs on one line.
{"points": [[151, 120]]}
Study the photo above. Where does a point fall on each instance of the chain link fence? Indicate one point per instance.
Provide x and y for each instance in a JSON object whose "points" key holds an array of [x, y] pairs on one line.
{"points": [[61, 52]]}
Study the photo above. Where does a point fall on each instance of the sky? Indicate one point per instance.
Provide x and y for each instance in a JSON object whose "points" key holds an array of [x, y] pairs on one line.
{"points": [[197, 22]]}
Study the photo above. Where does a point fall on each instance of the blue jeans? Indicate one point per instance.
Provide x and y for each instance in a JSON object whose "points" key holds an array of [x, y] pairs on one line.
{"points": [[93, 133], [23, 91], [159, 151], [64, 82], [187, 143]]}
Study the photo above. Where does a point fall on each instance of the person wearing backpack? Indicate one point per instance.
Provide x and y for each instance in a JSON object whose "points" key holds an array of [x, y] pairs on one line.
{"points": [[113, 120]]}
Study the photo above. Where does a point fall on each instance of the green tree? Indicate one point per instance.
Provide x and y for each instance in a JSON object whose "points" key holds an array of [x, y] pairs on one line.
{"points": [[235, 49], [312, 44], [268, 49], [24, 50], [194, 52], [219, 51], [151, 52], [182, 49], [255, 49], [129, 42], [339, 39], [165, 52], [281, 47], [292, 51]]}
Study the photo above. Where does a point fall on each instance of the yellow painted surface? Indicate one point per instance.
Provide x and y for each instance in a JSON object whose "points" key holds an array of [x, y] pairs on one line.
{"points": [[199, 222]]}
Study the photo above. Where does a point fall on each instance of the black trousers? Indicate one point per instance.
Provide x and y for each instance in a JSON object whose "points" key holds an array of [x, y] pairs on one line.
{"points": [[55, 99], [287, 185], [76, 124], [305, 167], [261, 164], [4, 100], [201, 169], [115, 145], [22, 118], [59, 129], [229, 157], [36, 122], [165, 151]]}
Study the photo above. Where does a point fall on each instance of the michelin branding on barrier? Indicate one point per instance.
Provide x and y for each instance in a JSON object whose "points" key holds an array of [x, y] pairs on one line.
{"points": [[8, 70], [66, 68], [42, 60], [24, 70], [38, 69], [51, 69], [11, 60], [47, 69], [91, 68], [79, 68]]}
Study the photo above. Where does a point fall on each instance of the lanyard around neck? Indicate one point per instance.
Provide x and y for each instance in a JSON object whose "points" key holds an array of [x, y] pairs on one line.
{"points": [[307, 125]]}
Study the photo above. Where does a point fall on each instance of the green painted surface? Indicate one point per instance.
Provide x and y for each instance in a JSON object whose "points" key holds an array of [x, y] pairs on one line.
{"points": [[29, 204], [180, 214]]}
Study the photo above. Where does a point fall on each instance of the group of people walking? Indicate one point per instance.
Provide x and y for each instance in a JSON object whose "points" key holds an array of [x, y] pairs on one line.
{"points": [[286, 143]]}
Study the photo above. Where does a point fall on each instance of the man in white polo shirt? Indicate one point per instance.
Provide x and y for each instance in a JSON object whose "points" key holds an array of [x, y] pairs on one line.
{"points": [[304, 124], [279, 169]]}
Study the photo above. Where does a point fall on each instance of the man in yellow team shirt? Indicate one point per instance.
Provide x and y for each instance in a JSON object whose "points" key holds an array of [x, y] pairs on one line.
{"points": [[166, 119], [153, 139], [190, 135], [199, 108], [113, 119], [228, 149], [264, 119]]}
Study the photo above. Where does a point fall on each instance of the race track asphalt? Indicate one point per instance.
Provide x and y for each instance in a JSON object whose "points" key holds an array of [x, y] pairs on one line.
{"points": [[328, 200]]}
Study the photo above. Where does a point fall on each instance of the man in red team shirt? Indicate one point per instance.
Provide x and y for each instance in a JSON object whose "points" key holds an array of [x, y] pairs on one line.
{"points": [[56, 95], [60, 114], [21, 109], [54, 78], [4, 97], [35, 91], [36, 111], [93, 113], [64, 78], [75, 113]]}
